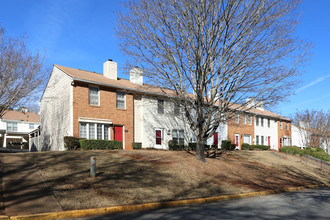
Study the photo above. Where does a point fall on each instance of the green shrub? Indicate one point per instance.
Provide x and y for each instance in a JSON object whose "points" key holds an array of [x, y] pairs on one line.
{"points": [[225, 144], [261, 147], [100, 144], [72, 143], [192, 146], [136, 145], [292, 150], [245, 146], [232, 147], [312, 151]]}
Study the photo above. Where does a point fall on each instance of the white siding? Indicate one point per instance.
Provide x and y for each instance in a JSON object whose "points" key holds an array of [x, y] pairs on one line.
{"points": [[298, 137], [56, 111], [138, 120], [222, 135], [166, 122], [266, 132]]}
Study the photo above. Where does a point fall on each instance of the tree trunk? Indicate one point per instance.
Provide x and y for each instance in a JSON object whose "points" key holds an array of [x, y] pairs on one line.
{"points": [[200, 149]]}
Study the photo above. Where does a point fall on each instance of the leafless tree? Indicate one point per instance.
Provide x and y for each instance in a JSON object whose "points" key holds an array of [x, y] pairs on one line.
{"points": [[314, 128], [22, 73], [222, 51]]}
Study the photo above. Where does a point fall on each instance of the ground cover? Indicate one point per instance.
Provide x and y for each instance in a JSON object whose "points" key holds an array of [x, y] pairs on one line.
{"points": [[140, 176]]}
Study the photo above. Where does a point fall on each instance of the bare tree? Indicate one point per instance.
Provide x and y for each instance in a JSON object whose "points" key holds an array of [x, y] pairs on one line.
{"points": [[222, 51], [314, 128], [22, 73]]}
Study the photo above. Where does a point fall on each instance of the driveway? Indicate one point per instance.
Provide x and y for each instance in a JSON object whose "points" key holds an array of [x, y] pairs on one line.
{"points": [[309, 204]]}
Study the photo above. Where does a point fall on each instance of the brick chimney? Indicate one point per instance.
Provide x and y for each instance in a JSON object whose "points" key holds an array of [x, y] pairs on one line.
{"points": [[110, 69]]}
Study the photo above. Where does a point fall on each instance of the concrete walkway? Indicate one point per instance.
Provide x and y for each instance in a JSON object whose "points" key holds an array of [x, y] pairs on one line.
{"points": [[24, 189]]}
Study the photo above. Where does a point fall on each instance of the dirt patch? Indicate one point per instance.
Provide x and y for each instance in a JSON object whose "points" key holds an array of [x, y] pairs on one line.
{"points": [[140, 176]]}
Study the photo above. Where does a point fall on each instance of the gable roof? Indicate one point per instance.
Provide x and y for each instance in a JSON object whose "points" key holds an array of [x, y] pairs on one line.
{"points": [[21, 116], [100, 79]]}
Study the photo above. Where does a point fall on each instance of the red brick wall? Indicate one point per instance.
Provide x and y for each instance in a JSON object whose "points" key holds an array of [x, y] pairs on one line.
{"points": [[106, 110], [240, 128], [283, 132]]}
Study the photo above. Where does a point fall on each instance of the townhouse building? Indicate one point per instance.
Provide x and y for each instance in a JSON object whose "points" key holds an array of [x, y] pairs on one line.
{"points": [[102, 106], [15, 127]]}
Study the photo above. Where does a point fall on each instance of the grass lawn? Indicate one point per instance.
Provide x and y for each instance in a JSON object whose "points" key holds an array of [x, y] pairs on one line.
{"points": [[140, 176]]}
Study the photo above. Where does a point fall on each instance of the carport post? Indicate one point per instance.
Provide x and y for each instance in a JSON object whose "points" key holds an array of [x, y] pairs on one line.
{"points": [[93, 166]]}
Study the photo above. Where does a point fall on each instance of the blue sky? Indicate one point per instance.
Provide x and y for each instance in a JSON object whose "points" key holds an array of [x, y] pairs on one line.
{"points": [[80, 34]]}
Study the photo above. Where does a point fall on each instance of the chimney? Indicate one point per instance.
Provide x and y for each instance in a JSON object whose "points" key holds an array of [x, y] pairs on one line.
{"points": [[260, 105], [110, 69], [136, 75], [250, 103]]}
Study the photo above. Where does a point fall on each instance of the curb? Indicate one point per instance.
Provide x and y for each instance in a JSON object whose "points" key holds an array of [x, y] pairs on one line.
{"points": [[154, 205]]}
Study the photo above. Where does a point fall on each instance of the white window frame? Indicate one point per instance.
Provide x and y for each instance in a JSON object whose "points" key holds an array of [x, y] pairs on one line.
{"points": [[237, 118], [268, 122], [250, 119], [162, 109], [12, 125], [122, 93], [287, 126], [257, 120], [281, 125], [98, 95], [95, 130], [261, 121]]}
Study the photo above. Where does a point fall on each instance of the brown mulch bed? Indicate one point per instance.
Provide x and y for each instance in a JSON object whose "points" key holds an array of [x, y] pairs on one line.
{"points": [[140, 176]]}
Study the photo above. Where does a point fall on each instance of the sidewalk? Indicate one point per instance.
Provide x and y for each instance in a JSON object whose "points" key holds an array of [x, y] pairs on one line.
{"points": [[24, 190]]}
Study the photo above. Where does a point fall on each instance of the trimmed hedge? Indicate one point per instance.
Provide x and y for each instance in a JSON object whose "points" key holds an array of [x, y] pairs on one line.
{"points": [[316, 152], [72, 143], [246, 146], [100, 144], [225, 144], [136, 145]]}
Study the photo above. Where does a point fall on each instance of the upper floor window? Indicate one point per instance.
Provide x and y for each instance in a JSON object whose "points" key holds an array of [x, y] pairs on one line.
{"points": [[31, 126], [160, 105], [268, 122], [257, 121], [120, 100], [176, 109], [11, 126], [244, 119], [280, 124], [262, 121], [250, 119], [287, 126], [237, 118], [94, 96]]}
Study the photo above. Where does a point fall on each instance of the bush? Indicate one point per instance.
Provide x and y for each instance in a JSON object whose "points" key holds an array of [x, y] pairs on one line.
{"points": [[136, 145], [192, 146], [292, 150], [100, 144], [261, 147], [72, 143], [232, 147], [225, 144], [245, 146]]}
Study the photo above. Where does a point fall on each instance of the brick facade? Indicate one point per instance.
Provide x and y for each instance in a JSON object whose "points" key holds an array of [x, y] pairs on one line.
{"points": [[106, 110], [240, 128], [283, 132]]}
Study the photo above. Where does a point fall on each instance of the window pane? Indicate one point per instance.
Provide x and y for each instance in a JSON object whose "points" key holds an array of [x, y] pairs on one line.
{"points": [[181, 137], [237, 118], [12, 126], [99, 131], [268, 122], [160, 106], [250, 120], [31, 126], [91, 131], [120, 101], [82, 130], [158, 137], [176, 109], [93, 96], [262, 121], [257, 121], [106, 132]]}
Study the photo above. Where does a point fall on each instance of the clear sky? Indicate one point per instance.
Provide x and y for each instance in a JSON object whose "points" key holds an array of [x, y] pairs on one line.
{"points": [[80, 34]]}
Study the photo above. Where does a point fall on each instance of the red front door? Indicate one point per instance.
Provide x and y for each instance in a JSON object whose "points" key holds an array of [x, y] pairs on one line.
{"points": [[158, 137], [215, 138], [268, 141], [281, 142], [236, 140], [118, 133]]}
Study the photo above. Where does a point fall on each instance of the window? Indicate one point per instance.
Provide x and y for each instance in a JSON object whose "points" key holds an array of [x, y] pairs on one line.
{"points": [[99, 132], [268, 122], [91, 131], [94, 131], [257, 121], [176, 109], [31, 126], [83, 130], [250, 120], [160, 106], [287, 126], [262, 140], [262, 121], [280, 124], [237, 118], [178, 135], [244, 119], [11, 126], [120, 100], [93, 96], [257, 140]]}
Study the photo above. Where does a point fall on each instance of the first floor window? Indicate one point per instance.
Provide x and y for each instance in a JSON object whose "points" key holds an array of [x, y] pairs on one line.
{"points": [[99, 131], [262, 140], [106, 132], [257, 140], [178, 135], [181, 137], [91, 131], [11, 126], [83, 130]]}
